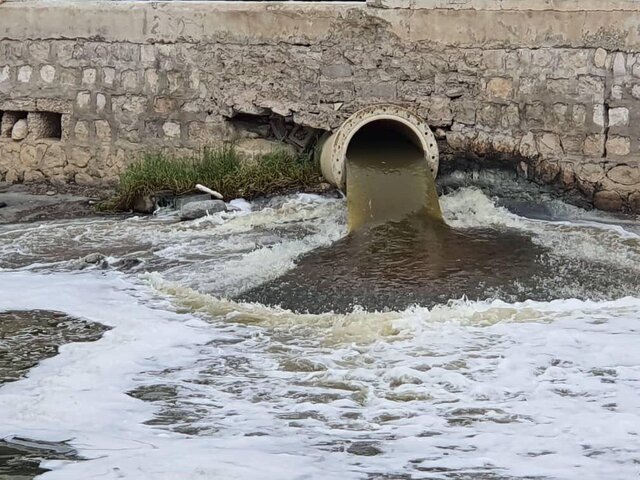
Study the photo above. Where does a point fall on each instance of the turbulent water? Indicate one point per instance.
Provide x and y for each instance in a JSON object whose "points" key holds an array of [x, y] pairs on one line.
{"points": [[189, 383]]}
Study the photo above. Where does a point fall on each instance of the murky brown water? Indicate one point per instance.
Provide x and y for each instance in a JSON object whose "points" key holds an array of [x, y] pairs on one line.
{"points": [[400, 252], [388, 179]]}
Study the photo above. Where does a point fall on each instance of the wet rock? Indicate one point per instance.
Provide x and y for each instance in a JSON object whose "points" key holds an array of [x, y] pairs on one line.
{"points": [[20, 130], [3, 204], [608, 200], [364, 449], [97, 259], [127, 263], [194, 210], [93, 258], [144, 203], [185, 199]]}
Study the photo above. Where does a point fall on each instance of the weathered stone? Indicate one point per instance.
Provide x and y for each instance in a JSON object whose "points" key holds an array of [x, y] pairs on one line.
{"points": [[618, 116], [131, 103], [546, 171], [28, 156], [151, 80], [24, 74], [528, 148], [101, 102], [594, 145], [500, 87], [616, 92], [534, 114], [83, 100], [573, 144], [625, 174], [591, 88], [194, 210], [89, 76], [103, 131], [337, 71], [79, 157], [47, 73], [5, 73], [56, 105], [590, 172], [600, 58], [579, 115], [164, 104], [53, 159], [460, 140], [108, 75], [39, 51], [598, 115], [490, 115], [559, 113], [20, 130], [608, 200], [33, 176], [505, 143], [12, 176], [619, 65], [130, 81], [84, 179], [549, 145], [171, 129], [618, 145], [81, 131]]}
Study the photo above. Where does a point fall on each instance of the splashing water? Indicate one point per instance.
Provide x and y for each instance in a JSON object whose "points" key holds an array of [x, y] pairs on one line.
{"points": [[189, 383]]}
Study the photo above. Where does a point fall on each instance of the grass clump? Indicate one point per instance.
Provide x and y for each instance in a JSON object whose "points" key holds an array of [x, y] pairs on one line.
{"points": [[221, 169]]}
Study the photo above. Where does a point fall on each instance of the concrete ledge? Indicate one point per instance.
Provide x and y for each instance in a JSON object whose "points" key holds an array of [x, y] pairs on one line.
{"points": [[512, 5], [473, 24]]}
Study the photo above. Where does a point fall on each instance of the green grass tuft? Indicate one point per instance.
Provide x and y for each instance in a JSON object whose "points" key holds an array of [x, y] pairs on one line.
{"points": [[221, 169]]}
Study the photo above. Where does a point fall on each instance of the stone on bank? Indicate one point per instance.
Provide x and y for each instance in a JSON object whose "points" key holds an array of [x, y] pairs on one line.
{"points": [[194, 210]]}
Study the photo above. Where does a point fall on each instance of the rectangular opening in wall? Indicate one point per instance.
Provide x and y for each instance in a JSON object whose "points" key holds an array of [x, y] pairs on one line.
{"points": [[45, 125]]}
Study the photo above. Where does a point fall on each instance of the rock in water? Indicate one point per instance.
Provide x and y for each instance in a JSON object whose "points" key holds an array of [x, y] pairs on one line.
{"points": [[3, 204], [194, 210], [20, 130], [144, 203]]}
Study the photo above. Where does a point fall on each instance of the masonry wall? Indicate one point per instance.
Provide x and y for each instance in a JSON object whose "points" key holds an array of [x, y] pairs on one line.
{"points": [[554, 90]]}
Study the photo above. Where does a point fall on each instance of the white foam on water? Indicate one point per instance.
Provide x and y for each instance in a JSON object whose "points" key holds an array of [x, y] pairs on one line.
{"points": [[590, 241], [548, 389]]}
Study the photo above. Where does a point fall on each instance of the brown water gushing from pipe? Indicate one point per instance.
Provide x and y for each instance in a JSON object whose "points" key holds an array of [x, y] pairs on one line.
{"points": [[388, 179]]}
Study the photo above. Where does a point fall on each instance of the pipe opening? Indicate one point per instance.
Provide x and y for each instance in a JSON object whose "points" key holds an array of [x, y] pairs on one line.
{"points": [[387, 176]]}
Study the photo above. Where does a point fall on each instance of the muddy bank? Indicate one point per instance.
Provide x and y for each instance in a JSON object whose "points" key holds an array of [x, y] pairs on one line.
{"points": [[31, 203]]}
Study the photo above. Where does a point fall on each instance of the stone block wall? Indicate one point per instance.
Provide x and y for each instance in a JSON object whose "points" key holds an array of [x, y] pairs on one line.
{"points": [[554, 92]]}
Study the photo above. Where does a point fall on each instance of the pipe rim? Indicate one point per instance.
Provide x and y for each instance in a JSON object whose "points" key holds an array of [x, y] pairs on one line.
{"points": [[373, 113]]}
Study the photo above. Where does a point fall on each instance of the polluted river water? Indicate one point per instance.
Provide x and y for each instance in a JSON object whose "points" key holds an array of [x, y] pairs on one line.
{"points": [[269, 342]]}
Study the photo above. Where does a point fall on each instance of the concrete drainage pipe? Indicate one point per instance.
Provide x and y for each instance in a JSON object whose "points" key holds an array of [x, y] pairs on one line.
{"points": [[333, 149]]}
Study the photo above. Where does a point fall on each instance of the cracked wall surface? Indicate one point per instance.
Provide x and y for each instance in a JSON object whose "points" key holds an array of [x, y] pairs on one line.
{"points": [[554, 92]]}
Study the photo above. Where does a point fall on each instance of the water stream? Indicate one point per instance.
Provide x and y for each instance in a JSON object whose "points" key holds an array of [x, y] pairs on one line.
{"points": [[507, 349]]}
